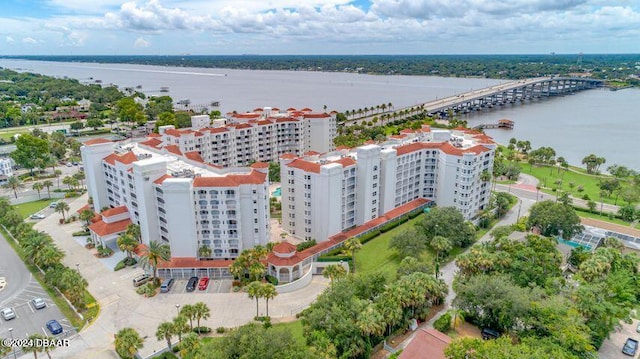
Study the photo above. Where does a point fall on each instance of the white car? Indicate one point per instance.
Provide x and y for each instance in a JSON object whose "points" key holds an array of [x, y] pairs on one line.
{"points": [[37, 216], [7, 313], [3, 283]]}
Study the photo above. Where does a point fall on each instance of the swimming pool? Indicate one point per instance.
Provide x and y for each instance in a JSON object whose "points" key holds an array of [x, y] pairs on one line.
{"points": [[277, 192]]}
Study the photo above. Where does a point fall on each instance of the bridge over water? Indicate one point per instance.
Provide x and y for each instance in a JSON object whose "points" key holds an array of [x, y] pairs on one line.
{"points": [[510, 92]]}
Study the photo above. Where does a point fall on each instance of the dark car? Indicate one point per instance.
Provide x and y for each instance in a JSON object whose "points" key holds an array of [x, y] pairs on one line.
{"points": [[54, 327], [191, 284], [630, 347], [488, 333]]}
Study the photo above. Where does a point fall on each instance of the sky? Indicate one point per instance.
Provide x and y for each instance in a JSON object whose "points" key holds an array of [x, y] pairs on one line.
{"points": [[322, 27]]}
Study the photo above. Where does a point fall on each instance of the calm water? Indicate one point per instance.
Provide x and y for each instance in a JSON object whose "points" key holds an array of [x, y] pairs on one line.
{"points": [[596, 121]]}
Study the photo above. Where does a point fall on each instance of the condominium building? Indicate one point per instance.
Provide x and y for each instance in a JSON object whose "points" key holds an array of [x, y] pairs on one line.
{"points": [[202, 211], [262, 135], [325, 194]]}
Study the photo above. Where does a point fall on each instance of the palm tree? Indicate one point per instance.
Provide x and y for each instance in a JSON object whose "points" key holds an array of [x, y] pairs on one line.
{"points": [[189, 312], [127, 343], [165, 331], [334, 272], [371, 322], [69, 181], [204, 251], [201, 311], [14, 183], [86, 216], [190, 345], [33, 246], [268, 291], [134, 231], [79, 176], [352, 245], [48, 348], [156, 252], [33, 348], [180, 326], [57, 173], [49, 256], [62, 207], [441, 245], [254, 291], [38, 187], [48, 184], [127, 244]]}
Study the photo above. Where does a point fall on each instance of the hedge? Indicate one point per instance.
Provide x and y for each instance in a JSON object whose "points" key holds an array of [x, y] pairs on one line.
{"points": [[327, 258], [306, 244]]}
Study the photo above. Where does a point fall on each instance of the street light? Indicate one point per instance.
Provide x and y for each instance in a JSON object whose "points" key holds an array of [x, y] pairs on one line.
{"points": [[13, 347], [78, 267], [178, 308]]}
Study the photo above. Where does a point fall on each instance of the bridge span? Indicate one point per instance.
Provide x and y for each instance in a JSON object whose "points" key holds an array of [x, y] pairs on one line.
{"points": [[510, 92]]}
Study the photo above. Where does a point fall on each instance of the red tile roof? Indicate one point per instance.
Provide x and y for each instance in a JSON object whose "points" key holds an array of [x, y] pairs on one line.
{"points": [[346, 161], [291, 109], [445, 147], [246, 115], [86, 206], [260, 165], [311, 153], [127, 158], [240, 126], [317, 115], [216, 129], [190, 262], [288, 156], [427, 343], [114, 211], [306, 109], [154, 135], [264, 122], [284, 247], [254, 177], [194, 156], [173, 149], [305, 165], [96, 141], [161, 179], [286, 119], [343, 148], [152, 142], [101, 228]]}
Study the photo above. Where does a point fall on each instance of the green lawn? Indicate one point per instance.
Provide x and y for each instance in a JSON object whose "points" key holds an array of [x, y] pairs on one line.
{"points": [[375, 255], [598, 216], [548, 176], [29, 208], [295, 328]]}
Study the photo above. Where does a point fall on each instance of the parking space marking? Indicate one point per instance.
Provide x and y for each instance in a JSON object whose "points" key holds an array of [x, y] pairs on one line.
{"points": [[132, 274]]}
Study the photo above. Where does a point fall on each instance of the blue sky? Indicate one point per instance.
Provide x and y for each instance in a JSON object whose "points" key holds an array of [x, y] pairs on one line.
{"points": [[113, 27]]}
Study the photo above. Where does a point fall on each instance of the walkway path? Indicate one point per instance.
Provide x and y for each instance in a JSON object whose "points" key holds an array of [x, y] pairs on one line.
{"points": [[122, 307]]}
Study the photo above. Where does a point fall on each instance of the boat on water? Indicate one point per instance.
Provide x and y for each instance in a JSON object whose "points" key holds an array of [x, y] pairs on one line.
{"points": [[164, 89]]}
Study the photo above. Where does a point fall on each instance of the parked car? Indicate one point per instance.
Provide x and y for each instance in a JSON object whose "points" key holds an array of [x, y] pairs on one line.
{"points": [[204, 283], [54, 327], [630, 347], [191, 284], [37, 216], [141, 279], [53, 205], [3, 283], [488, 333], [69, 164], [638, 328], [166, 285], [38, 303], [7, 313]]}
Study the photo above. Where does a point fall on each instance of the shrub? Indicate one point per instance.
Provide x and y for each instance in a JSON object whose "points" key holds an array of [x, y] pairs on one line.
{"points": [[166, 355], [202, 330], [306, 244], [129, 261], [104, 252], [443, 323], [119, 266], [236, 283], [586, 197], [220, 330], [80, 233], [271, 279], [369, 236], [328, 258]]}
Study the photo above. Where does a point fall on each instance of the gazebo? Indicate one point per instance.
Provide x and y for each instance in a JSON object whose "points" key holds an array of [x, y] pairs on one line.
{"points": [[284, 262]]}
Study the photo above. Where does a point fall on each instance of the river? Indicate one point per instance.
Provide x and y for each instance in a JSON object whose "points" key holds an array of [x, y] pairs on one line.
{"points": [[595, 121]]}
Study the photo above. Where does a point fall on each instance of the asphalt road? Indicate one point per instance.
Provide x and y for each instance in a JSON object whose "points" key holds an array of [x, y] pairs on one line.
{"points": [[21, 288]]}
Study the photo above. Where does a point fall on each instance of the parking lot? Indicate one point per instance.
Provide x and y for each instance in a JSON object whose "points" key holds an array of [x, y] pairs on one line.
{"points": [[30, 320], [612, 347], [215, 286]]}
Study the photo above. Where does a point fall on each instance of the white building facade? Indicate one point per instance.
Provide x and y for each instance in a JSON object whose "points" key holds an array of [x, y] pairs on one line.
{"points": [[262, 135], [324, 194], [201, 211]]}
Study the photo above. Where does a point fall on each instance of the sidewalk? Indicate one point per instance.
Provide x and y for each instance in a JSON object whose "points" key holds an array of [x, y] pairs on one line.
{"points": [[121, 306]]}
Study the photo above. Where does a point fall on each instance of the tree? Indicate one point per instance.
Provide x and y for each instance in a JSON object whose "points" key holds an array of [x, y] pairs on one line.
{"points": [[95, 123], [155, 253], [188, 311], [593, 163], [628, 213], [127, 342], [440, 245], [254, 292], [334, 272], [165, 331], [57, 173], [134, 231], [502, 202], [410, 264], [554, 219], [189, 345], [76, 126], [38, 187], [127, 244], [48, 184], [351, 246], [86, 216], [30, 149], [448, 222], [180, 326], [14, 183], [62, 207], [129, 111], [33, 346], [201, 311], [592, 206], [274, 171], [411, 242], [268, 291]]}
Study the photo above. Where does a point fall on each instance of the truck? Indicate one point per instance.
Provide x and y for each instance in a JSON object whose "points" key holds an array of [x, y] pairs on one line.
{"points": [[630, 347]]}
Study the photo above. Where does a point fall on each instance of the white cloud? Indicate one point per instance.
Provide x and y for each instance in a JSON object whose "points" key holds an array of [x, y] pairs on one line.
{"points": [[29, 40], [9, 39], [141, 43]]}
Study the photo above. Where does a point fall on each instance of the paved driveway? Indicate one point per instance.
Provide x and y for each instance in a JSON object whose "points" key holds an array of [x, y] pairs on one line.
{"points": [[612, 347], [121, 306]]}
